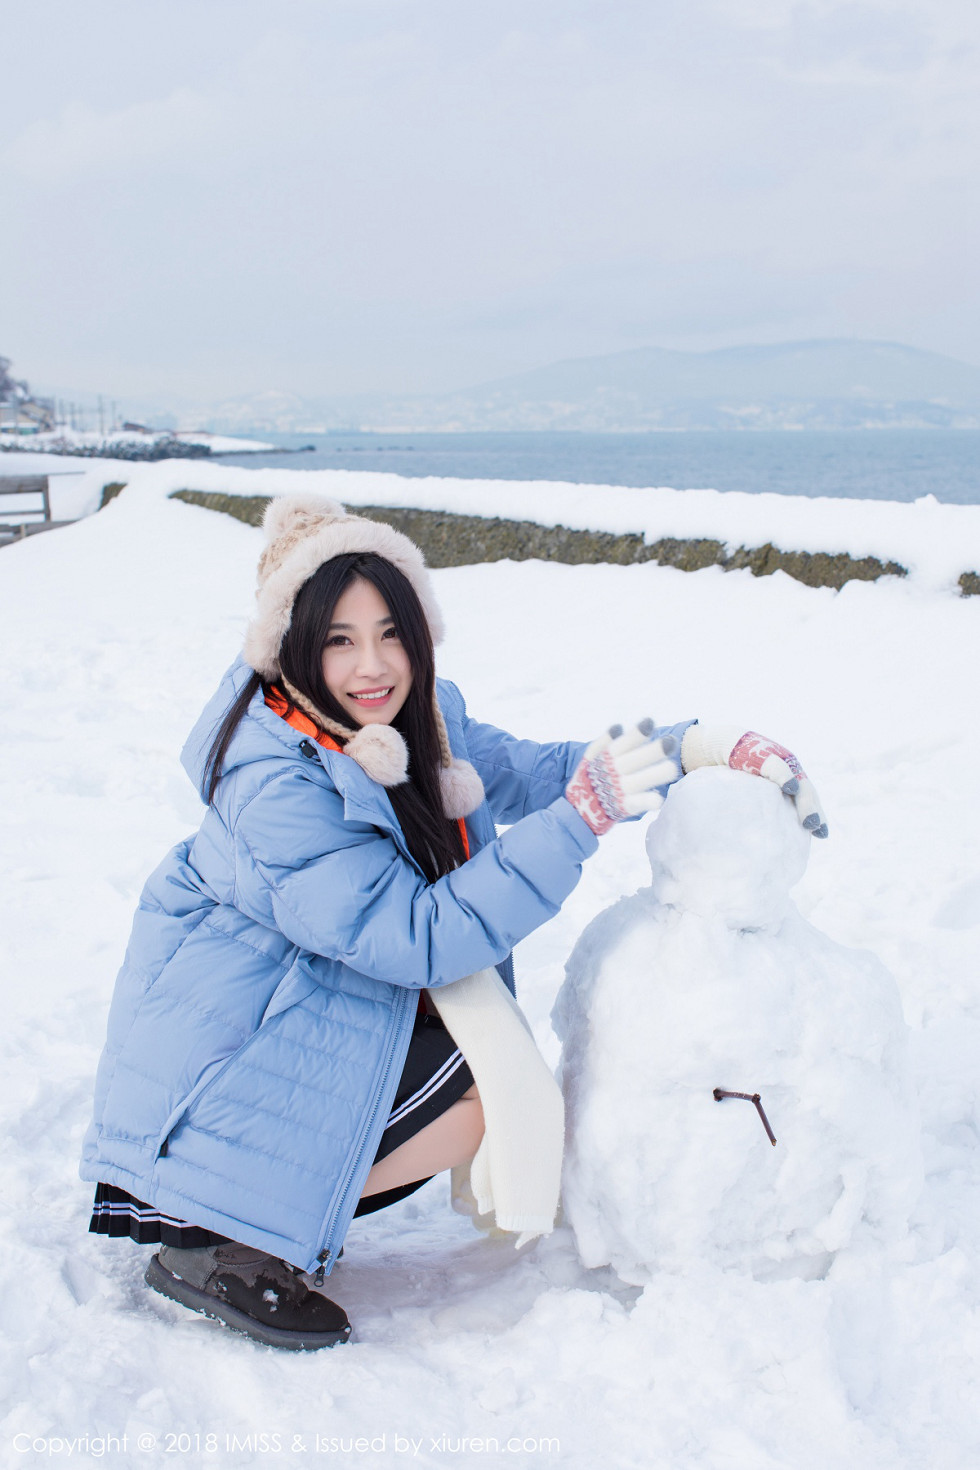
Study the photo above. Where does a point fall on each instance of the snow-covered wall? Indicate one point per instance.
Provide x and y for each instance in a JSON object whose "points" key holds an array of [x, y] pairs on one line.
{"points": [[936, 543]]}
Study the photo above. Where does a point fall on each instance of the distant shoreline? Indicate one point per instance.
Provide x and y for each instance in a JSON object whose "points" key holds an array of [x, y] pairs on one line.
{"points": [[133, 450]]}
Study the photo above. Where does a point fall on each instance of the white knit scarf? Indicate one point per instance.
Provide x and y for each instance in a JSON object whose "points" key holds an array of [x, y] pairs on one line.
{"points": [[515, 1178]]}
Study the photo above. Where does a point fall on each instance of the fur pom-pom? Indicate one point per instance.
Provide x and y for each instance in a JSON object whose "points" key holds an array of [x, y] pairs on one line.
{"points": [[462, 789], [381, 754], [298, 512]]}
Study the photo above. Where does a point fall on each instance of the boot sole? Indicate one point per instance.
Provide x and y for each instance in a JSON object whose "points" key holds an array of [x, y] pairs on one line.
{"points": [[161, 1280]]}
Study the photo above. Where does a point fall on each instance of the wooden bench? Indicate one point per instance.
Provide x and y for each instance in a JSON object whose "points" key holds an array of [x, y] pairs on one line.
{"points": [[19, 527]]}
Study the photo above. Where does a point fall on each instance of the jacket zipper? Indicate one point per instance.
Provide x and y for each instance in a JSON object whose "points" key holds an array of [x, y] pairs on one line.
{"points": [[326, 1252]]}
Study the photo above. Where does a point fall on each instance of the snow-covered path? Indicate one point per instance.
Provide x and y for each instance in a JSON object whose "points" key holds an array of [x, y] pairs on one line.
{"points": [[114, 632]]}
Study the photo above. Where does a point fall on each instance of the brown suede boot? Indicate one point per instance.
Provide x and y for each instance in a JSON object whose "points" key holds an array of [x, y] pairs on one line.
{"points": [[259, 1295]]}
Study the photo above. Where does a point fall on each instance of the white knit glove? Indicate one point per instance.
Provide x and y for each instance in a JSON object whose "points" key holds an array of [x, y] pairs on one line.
{"points": [[727, 745], [618, 774]]}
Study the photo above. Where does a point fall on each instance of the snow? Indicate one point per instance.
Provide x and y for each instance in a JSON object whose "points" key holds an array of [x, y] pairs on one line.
{"points": [[65, 439], [115, 631], [710, 979], [76, 482], [73, 489]]}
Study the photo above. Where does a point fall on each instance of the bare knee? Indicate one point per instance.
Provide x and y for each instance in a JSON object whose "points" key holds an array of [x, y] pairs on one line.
{"points": [[453, 1138]]}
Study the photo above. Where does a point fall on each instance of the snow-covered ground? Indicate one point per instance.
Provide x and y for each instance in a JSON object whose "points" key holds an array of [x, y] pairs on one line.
{"points": [[71, 487], [65, 440], [114, 632]]}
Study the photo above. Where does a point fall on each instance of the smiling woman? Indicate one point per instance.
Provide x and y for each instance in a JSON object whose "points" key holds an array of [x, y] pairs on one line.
{"points": [[316, 1012]]}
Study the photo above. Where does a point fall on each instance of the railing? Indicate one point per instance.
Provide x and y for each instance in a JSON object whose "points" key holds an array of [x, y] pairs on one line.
{"points": [[14, 522]]}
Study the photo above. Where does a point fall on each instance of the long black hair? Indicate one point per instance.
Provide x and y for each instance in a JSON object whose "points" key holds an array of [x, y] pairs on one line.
{"points": [[433, 840]]}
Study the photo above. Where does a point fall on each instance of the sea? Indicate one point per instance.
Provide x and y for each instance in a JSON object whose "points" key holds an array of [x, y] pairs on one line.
{"points": [[862, 464]]}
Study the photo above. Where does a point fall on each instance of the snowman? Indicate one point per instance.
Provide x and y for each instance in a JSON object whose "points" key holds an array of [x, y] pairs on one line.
{"points": [[737, 1085]]}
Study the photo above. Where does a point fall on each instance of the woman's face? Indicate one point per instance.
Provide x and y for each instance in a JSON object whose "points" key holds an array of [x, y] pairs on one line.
{"points": [[365, 665]]}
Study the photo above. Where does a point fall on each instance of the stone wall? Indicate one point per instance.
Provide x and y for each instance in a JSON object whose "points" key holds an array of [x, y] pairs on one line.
{"points": [[450, 540]]}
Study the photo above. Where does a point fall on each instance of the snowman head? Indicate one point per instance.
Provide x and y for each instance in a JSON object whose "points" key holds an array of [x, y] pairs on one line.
{"points": [[727, 846]]}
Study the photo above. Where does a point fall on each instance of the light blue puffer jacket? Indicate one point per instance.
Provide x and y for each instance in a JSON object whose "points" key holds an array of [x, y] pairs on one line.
{"points": [[265, 1005]]}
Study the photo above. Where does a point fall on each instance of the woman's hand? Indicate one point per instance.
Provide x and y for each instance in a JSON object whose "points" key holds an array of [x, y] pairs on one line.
{"points": [[618, 775], [725, 745]]}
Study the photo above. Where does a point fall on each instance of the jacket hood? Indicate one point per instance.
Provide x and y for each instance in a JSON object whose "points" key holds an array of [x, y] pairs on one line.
{"points": [[261, 735]]}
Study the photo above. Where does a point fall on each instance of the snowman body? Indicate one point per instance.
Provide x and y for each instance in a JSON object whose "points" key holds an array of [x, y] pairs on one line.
{"points": [[710, 979]]}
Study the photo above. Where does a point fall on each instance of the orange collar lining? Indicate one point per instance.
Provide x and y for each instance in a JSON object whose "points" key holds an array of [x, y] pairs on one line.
{"points": [[280, 706]]}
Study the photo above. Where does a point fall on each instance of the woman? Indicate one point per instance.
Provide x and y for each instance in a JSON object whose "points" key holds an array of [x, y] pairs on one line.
{"points": [[275, 1061]]}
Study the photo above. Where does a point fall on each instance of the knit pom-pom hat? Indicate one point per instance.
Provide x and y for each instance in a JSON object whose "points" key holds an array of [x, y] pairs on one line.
{"points": [[303, 531]]}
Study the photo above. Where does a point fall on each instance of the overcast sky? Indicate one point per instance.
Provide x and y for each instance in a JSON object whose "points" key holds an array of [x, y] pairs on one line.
{"points": [[206, 198]]}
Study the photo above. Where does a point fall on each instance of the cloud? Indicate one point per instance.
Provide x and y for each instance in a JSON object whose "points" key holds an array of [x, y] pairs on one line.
{"points": [[84, 140], [402, 191]]}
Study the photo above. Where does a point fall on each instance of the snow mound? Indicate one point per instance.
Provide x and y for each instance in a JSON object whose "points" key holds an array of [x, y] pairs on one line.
{"points": [[728, 848], [711, 979]]}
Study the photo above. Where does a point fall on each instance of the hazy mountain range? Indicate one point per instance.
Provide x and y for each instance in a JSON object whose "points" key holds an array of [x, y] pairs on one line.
{"points": [[826, 384], [808, 385]]}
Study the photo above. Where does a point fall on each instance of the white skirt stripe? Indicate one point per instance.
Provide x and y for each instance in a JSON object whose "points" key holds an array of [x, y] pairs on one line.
{"points": [[147, 1215], [449, 1066]]}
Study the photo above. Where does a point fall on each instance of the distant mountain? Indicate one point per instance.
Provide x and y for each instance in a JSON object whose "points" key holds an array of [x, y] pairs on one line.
{"points": [[827, 369], [827, 384], [807, 385]]}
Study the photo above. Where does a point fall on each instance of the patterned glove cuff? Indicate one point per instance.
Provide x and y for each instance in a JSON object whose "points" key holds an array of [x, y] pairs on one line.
{"points": [[592, 794]]}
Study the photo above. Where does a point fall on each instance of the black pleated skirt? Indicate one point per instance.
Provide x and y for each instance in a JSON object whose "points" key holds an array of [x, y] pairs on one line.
{"points": [[435, 1076]]}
